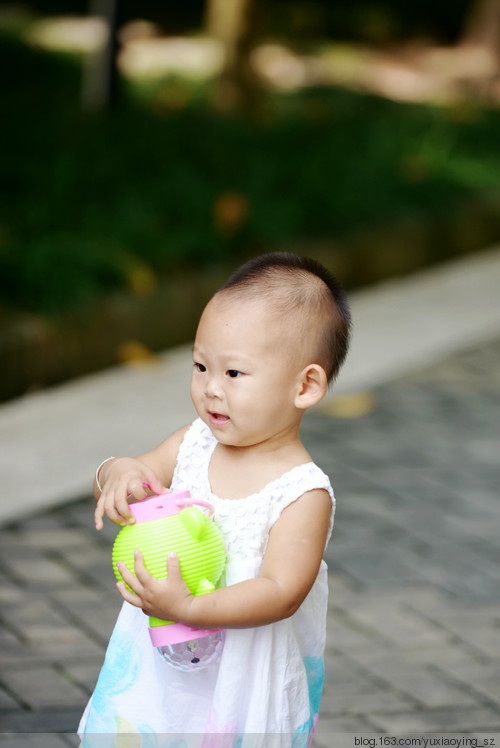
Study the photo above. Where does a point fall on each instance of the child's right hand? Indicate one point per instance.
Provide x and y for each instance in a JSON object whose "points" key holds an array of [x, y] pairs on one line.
{"points": [[125, 479]]}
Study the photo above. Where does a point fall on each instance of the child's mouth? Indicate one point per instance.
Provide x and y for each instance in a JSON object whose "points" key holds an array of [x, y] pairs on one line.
{"points": [[217, 418]]}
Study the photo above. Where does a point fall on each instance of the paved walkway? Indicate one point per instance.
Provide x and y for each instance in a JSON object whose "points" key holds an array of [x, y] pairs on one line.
{"points": [[414, 622], [51, 441]]}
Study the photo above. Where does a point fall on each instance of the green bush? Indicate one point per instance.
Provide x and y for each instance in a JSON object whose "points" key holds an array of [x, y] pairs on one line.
{"points": [[89, 200]]}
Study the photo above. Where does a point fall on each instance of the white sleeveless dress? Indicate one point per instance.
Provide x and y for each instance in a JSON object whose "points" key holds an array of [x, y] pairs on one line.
{"points": [[269, 679]]}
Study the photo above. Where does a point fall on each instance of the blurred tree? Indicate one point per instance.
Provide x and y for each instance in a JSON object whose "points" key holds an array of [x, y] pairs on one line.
{"points": [[482, 25], [482, 33], [101, 74], [233, 24]]}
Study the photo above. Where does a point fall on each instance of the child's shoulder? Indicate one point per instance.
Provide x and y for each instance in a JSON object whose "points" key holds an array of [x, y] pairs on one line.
{"points": [[303, 478]]}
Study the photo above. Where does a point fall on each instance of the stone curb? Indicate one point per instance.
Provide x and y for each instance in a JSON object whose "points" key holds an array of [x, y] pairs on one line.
{"points": [[37, 351]]}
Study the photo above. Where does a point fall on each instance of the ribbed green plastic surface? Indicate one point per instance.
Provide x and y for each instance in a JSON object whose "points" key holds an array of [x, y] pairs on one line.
{"points": [[200, 558]]}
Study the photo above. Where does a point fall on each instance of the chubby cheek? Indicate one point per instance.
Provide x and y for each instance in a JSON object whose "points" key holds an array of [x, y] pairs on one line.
{"points": [[195, 392], [243, 397]]}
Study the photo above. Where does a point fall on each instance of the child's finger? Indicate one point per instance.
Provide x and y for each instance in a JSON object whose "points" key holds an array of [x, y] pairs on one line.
{"points": [[112, 514], [129, 578], [174, 568], [116, 507], [122, 509], [137, 490], [99, 513], [128, 596], [155, 486], [105, 506], [142, 574], [174, 574]]}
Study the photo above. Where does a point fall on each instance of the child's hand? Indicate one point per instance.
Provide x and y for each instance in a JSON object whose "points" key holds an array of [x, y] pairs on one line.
{"points": [[168, 599], [126, 479]]}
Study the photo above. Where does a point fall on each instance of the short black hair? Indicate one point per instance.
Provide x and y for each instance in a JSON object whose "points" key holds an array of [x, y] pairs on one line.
{"points": [[294, 278]]}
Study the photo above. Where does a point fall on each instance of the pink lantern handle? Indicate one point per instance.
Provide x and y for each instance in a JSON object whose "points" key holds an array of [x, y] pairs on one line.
{"points": [[164, 505], [196, 502]]}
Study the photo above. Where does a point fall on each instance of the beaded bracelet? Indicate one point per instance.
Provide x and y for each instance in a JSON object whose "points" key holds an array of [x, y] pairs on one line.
{"points": [[98, 471]]}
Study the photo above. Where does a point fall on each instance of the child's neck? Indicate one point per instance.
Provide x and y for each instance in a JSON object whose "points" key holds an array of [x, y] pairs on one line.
{"points": [[237, 472]]}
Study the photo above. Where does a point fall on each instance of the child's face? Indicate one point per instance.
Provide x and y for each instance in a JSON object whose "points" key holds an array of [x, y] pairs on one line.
{"points": [[245, 376]]}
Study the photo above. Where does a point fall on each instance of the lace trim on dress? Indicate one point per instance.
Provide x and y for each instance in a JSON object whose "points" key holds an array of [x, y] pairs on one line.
{"points": [[245, 521]]}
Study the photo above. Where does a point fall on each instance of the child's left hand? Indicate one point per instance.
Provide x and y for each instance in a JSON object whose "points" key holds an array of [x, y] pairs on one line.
{"points": [[168, 599]]}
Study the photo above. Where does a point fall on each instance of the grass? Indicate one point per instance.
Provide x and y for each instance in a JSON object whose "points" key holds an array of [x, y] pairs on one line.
{"points": [[92, 203]]}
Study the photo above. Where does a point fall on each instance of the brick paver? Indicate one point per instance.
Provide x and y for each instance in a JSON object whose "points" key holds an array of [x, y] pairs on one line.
{"points": [[414, 617]]}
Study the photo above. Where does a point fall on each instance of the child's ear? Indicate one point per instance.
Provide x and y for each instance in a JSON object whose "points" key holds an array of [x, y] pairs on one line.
{"points": [[313, 384]]}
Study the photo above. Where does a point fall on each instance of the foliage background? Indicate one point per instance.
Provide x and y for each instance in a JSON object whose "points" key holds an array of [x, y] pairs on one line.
{"points": [[164, 185]]}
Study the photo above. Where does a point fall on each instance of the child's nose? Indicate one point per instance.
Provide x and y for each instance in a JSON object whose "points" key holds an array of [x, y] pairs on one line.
{"points": [[212, 387]]}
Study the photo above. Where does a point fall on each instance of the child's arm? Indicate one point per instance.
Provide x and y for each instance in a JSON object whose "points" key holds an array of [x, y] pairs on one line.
{"points": [[290, 566], [122, 478]]}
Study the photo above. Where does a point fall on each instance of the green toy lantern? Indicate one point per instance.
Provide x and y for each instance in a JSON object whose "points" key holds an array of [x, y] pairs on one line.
{"points": [[173, 522]]}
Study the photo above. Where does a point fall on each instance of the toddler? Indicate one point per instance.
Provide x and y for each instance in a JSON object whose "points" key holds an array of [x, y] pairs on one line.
{"points": [[267, 345]]}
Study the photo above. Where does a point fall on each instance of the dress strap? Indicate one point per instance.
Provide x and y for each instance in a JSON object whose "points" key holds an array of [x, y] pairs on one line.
{"points": [[292, 485], [193, 457]]}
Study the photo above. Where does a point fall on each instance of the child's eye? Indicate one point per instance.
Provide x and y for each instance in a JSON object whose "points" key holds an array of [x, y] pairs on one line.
{"points": [[233, 373], [200, 367]]}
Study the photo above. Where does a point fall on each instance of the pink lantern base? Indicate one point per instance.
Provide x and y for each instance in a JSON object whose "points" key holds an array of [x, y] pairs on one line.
{"points": [[175, 633]]}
